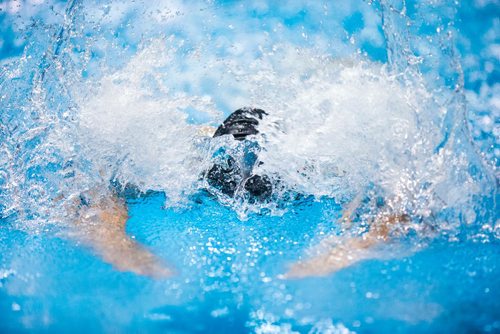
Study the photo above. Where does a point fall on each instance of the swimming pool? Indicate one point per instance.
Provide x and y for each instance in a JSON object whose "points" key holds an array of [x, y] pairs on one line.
{"points": [[378, 97]]}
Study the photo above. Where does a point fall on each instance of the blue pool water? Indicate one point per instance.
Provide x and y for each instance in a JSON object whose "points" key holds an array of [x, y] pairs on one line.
{"points": [[227, 281], [395, 101]]}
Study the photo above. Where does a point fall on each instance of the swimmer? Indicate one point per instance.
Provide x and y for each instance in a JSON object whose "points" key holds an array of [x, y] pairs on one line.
{"points": [[101, 219]]}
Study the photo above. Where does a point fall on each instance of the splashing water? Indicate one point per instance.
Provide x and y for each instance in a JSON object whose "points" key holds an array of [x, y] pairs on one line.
{"points": [[363, 98], [90, 110]]}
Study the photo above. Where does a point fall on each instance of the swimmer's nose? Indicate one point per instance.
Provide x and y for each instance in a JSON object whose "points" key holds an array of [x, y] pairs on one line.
{"points": [[259, 186]]}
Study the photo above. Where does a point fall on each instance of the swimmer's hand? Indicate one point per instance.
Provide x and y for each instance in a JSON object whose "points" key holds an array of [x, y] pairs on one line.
{"points": [[101, 226]]}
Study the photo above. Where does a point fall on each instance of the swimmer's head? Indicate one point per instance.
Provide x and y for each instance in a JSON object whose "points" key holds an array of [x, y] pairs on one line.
{"points": [[226, 175]]}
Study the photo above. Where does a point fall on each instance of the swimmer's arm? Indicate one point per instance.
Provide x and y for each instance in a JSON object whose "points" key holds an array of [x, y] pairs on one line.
{"points": [[335, 253], [101, 226]]}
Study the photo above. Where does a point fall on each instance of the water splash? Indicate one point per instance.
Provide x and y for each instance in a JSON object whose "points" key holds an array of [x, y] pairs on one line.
{"points": [[113, 93]]}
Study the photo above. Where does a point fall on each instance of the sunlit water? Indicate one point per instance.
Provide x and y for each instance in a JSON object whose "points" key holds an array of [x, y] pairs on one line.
{"points": [[390, 100]]}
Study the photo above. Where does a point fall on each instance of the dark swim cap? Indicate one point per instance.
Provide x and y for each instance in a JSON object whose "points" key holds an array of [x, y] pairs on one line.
{"points": [[241, 123]]}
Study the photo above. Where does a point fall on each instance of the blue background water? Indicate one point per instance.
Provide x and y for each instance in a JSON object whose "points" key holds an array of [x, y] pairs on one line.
{"points": [[227, 280], [228, 268]]}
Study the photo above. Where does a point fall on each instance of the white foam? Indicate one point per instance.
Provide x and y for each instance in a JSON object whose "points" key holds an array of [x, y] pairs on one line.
{"points": [[135, 130], [334, 126], [338, 124]]}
